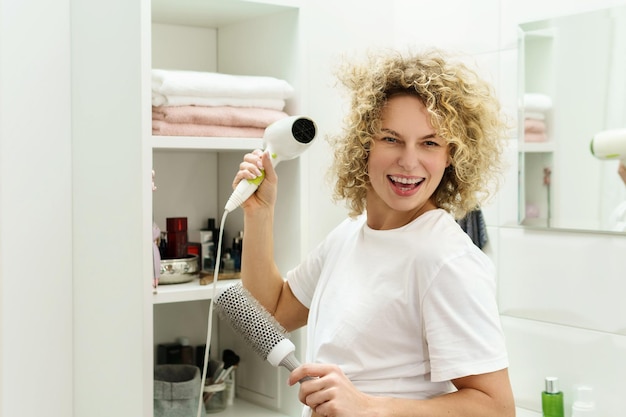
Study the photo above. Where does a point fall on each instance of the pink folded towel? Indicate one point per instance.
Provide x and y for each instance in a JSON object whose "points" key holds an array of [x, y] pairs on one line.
{"points": [[535, 137], [162, 128], [218, 116], [534, 126]]}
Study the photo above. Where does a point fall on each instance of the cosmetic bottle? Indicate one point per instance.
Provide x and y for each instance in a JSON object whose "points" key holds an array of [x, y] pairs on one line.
{"points": [[215, 231], [237, 247], [228, 264], [186, 351], [584, 406], [552, 399], [176, 237]]}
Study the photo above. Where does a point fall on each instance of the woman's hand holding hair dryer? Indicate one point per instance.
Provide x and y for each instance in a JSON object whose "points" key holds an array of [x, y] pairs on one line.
{"points": [[251, 168], [621, 170]]}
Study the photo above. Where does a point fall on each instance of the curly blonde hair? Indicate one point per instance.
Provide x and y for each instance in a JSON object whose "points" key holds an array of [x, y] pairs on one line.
{"points": [[464, 111]]}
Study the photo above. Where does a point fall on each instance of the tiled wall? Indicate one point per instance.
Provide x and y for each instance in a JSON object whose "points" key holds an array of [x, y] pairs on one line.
{"points": [[562, 294]]}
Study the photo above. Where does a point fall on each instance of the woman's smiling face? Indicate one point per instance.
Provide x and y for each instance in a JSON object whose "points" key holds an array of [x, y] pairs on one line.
{"points": [[406, 164]]}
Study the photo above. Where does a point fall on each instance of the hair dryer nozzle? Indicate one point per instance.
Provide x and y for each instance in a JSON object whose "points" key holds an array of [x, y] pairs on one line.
{"points": [[303, 130]]}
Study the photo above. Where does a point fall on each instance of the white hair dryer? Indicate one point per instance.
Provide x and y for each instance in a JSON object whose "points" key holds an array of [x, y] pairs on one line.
{"points": [[284, 139], [609, 145]]}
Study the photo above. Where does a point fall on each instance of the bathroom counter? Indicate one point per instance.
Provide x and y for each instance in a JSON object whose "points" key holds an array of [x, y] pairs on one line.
{"points": [[523, 412]]}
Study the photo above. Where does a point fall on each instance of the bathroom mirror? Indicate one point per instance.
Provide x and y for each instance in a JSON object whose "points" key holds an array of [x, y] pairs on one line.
{"points": [[572, 85]]}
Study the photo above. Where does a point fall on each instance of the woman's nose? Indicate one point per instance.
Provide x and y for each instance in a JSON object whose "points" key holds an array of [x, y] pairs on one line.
{"points": [[408, 158]]}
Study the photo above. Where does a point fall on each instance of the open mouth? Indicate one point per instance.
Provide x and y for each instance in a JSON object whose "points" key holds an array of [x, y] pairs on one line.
{"points": [[404, 184]]}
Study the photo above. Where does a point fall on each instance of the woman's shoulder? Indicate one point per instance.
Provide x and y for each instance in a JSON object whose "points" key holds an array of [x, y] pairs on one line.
{"points": [[443, 233]]}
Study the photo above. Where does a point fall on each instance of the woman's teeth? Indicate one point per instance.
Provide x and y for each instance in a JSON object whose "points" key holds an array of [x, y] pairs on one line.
{"points": [[406, 181]]}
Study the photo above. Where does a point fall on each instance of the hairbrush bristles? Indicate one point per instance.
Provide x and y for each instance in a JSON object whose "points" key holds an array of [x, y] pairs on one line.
{"points": [[250, 319]]}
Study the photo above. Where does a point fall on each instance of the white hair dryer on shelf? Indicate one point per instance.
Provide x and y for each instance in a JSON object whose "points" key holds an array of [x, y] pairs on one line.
{"points": [[609, 145], [285, 139]]}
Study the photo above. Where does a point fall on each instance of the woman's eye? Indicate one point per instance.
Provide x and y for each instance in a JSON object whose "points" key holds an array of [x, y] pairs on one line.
{"points": [[389, 139]]}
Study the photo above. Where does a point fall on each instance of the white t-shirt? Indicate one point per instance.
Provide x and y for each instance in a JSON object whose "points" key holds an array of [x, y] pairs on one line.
{"points": [[401, 311]]}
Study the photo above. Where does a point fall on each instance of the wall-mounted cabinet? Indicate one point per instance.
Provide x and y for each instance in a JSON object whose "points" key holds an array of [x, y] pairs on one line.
{"points": [[536, 132], [194, 174]]}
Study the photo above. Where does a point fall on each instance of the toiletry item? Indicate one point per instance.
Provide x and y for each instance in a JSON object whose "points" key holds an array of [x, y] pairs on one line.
{"points": [[208, 256], [176, 237], [186, 351], [584, 406], [552, 398], [229, 264], [237, 247], [163, 245], [215, 231], [169, 353], [194, 248]]}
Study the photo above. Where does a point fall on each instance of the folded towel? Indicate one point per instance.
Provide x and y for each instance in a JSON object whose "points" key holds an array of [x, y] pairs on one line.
{"points": [[220, 116], [162, 128], [534, 115], [178, 100], [537, 102], [213, 84], [534, 126], [474, 225], [535, 137]]}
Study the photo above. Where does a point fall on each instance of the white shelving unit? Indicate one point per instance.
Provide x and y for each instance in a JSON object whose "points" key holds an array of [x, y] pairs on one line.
{"points": [[116, 320], [194, 174]]}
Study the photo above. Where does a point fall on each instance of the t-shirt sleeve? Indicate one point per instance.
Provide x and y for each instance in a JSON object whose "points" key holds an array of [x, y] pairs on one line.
{"points": [[461, 320], [303, 278]]}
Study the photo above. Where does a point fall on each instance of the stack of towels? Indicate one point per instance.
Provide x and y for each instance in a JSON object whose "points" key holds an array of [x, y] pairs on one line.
{"points": [[536, 108], [193, 103]]}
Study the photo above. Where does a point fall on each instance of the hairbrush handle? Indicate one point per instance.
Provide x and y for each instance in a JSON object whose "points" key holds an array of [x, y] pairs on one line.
{"points": [[291, 362]]}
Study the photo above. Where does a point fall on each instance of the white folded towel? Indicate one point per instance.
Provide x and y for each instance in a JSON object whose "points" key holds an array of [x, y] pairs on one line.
{"points": [[213, 84], [537, 102], [173, 100]]}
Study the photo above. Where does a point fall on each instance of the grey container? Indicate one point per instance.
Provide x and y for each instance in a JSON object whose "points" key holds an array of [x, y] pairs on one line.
{"points": [[177, 391]]}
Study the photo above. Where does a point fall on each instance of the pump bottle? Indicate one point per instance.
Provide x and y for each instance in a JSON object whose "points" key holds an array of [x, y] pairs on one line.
{"points": [[584, 406]]}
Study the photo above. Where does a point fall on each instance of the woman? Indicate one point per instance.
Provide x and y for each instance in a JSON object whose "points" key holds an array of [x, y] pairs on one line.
{"points": [[399, 303]]}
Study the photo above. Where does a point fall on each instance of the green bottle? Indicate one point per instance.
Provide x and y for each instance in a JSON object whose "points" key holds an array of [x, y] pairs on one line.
{"points": [[552, 399]]}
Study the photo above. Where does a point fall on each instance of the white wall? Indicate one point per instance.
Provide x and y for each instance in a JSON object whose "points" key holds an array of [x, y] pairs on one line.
{"points": [[35, 209]]}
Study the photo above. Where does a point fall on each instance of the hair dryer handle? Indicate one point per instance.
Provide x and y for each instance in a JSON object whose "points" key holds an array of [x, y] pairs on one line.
{"points": [[243, 191]]}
